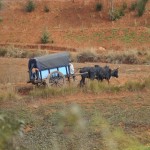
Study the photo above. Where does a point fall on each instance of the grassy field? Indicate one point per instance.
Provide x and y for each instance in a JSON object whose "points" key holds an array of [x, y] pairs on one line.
{"points": [[98, 116]]}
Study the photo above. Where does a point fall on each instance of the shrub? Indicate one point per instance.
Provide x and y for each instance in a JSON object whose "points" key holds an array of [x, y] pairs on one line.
{"points": [[30, 6], [147, 82], [133, 6], [87, 56], [141, 7], [9, 126], [117, 14], [3, 52], [121, 12], [46, 9], [129, 57], [124, 6], [46, 38], [20, 53], [134, 86], [1, 19], [99, 7], [1, 4]]}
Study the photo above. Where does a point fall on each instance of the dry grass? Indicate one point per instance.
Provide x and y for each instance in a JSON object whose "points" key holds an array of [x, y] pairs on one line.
{"points": [[11, 72], [121, 57], [20, 53], [8, 93], [89, 126], [87, 55], [93, 87], [126, 57]]}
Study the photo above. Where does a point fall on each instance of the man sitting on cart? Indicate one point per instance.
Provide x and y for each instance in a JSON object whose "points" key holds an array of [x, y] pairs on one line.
{"points": [[35, 72]]}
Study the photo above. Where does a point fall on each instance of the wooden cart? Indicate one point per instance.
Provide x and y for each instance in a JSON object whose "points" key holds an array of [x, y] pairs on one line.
{"points": [[51, 70]]}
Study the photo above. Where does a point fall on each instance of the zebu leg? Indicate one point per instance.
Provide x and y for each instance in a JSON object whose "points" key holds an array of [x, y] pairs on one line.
{"points": [[107, 80], [82, 81]]}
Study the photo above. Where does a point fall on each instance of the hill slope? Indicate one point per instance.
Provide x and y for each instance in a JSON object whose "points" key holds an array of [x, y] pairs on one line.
{"points": [[74, 24]]}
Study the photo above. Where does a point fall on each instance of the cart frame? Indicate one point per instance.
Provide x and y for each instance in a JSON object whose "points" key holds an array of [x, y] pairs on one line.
{"points": [[52, 69]]}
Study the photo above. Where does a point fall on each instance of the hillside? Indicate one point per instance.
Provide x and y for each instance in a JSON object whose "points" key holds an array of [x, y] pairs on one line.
{"points": [[75, 24]]}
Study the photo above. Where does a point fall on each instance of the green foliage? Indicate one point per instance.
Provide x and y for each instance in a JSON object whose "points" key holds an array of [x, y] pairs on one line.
{"points": [[46, 9], [1, 5], [126, 142], [124, 6], [121, 12], [1, 19], [52, 92], [46, 38], [133, 6], [146, 82], [99, 6], [71, 118], [9, 126], [30, 6], [3, 52], [117, 14], [98, 87], [141, 7], [134, 86]]}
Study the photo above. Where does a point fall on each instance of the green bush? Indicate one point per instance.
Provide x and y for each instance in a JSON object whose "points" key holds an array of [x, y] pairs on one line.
{"points": [[124, 6], [46, 9], [133, 6], [30, 6], [3, 52], [9, 126], [141, 7], [117, 14], [99, 6], [147, 82], [45, 37], [121, 12], [1, 4], [1, 19]]}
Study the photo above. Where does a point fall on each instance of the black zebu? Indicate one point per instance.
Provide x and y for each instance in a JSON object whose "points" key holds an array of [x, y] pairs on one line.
{"points": [[97, 72]]}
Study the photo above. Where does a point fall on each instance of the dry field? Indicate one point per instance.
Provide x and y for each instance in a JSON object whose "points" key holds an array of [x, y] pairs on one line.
{"points": [[107, 114]]}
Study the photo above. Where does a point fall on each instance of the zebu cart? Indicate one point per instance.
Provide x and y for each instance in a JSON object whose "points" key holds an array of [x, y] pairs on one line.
{"points": [[53, 69]]}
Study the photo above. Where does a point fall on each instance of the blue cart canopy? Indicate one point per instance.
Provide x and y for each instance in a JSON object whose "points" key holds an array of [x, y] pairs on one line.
{"points": [[49, 61]]}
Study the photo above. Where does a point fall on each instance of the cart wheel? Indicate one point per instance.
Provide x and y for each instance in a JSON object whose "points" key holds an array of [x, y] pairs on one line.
{"points": [[55, 79]]}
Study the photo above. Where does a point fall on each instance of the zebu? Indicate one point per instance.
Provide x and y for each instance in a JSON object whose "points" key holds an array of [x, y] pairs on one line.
{"points": [[97, 72]]}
